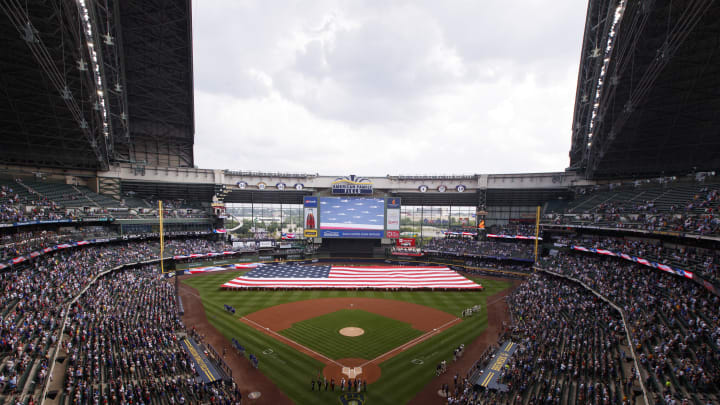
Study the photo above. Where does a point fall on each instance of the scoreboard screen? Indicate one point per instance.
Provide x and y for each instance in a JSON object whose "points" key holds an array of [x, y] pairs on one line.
{"points": [[352, 217], [355, 217]]}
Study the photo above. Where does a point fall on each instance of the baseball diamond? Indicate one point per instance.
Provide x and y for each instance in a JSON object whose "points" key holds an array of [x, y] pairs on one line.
{"points": [[300, 332], [381, 334]]}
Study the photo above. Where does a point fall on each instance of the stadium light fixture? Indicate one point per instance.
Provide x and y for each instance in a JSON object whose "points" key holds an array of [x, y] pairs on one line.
{"points": [[619, 11], [66, 94], [88, 31], [29, 33]]}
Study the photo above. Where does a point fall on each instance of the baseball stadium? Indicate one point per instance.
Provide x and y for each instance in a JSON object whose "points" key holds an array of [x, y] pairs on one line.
{"points": [[130, 275]]}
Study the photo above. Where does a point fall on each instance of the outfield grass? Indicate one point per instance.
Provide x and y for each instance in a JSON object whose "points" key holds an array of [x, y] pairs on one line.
{"points": [[402, 376], [322, 334]]}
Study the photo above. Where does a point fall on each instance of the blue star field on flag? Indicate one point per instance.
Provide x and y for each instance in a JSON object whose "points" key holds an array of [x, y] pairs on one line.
{"points": [[290, 270]]}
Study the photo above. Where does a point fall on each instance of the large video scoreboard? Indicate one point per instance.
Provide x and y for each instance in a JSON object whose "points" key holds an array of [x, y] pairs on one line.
{"points": [[352, 217]]}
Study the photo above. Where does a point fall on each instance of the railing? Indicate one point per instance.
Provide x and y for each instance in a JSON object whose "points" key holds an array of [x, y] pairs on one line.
{"points": [[434, 177], [622, 315], [587, 224], [215, 356], [270, 174], [66, 312]]}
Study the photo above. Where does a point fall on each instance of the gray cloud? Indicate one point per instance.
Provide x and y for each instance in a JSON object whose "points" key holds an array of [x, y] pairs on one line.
{"points": [[386, 87]]}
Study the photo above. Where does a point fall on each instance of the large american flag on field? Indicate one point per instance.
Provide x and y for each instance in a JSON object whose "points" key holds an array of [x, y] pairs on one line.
{"points": [[351, 277]]}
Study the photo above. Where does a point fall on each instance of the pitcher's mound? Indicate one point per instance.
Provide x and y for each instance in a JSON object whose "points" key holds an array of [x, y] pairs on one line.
{"points": [[352, 331]]}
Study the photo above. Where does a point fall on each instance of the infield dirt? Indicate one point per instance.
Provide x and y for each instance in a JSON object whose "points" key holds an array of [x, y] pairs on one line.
{"points": [[423, 318]]}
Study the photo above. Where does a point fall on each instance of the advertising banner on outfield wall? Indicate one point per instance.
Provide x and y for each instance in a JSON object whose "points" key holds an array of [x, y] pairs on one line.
{"points": [[310, 222], [392, 218], [351, 233], [310, 217]]}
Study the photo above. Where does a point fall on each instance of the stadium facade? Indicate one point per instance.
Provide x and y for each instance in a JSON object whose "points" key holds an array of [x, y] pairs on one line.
{"points": [[112, 108]]}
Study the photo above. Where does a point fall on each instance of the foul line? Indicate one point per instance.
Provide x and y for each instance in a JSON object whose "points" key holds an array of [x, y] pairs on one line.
{"points": [[402, 347], [413, 342], [268, 330]]}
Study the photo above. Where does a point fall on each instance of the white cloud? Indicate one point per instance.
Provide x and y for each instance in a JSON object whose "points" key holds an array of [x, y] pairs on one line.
{"points": [[379, 88]]}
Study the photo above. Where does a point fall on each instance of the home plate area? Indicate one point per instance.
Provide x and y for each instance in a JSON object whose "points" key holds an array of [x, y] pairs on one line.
{"points": [[370, 372], [351, 336], [352, 372]]}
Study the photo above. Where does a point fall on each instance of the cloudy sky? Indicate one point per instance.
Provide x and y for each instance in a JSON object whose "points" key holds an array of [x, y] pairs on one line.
{"points": [[385, 87]]}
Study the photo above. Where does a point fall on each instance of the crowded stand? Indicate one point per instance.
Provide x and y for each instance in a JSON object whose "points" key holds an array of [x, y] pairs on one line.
{"points": [[572, 350], [471, 247], [17, 244], [26, 202], [178, 247], [15, 250], [130, 352], [406, 251], [513, 229], [32, 301], [699, 260], [663, 205], [705, 224], [33, 296], [18, 204], [174, 204], [477, 265], [674, 323]]}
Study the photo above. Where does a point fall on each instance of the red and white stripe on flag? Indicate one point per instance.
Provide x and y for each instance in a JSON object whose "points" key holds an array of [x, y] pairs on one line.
{"points": [[380, 277], [246, 265]]}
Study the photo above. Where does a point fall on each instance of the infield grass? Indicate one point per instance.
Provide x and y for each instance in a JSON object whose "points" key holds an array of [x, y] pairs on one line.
{"points": [[322, 334], [402, 376]]}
